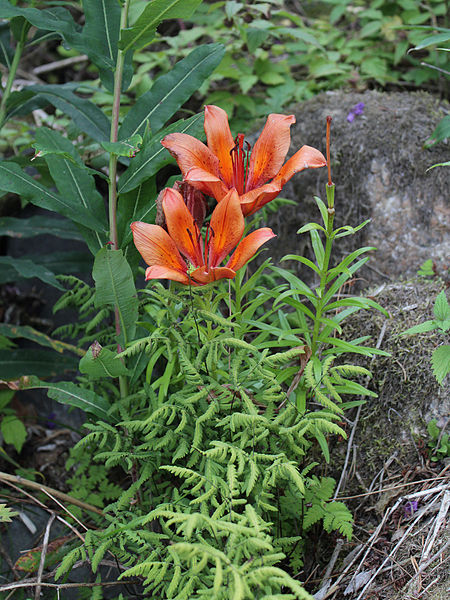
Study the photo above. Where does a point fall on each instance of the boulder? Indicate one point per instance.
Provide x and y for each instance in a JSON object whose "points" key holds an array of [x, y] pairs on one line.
{"points": [[379, 166]]}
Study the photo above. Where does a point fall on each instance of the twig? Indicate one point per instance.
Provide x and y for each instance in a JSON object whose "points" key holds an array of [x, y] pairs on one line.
{"points": [[60, 586], [327, 577], [59, 64], [388, 489], [37, 593], [45, 488], [65, 509]]}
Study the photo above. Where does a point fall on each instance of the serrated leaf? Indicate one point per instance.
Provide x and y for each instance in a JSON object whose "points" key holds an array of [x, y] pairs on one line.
{"points": [[114, 286], [7, 513], [102, 364], [441, 307], [440, 362], [421, 328], [144, 30], [154, 156], [128, 147], [170, 91], [31, 361]]}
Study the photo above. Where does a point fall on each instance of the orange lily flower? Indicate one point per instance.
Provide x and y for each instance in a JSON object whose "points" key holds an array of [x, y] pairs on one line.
{"points": [[164, 250], [225, 164]]}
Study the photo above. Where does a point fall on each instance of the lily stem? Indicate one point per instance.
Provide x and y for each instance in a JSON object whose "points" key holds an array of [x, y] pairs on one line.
{"points": [[112, 196], [12, 74]]}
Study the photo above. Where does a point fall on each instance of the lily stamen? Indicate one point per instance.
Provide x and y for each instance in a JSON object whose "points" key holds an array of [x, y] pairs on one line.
{"points": [[240, 162]]}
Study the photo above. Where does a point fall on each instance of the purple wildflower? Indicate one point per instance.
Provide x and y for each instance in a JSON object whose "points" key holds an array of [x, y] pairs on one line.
{"points": [[410, 507], [356, 110]]}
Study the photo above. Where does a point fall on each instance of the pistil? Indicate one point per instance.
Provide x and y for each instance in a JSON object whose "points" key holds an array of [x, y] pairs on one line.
{"points": [[240, 160]]}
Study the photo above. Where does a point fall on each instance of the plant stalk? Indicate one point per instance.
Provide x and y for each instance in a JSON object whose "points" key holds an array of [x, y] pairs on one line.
{"points": [[11, 76]]}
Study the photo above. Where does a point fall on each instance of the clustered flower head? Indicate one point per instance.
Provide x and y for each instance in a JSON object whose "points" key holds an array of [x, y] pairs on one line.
{"points": [[239, 178]]}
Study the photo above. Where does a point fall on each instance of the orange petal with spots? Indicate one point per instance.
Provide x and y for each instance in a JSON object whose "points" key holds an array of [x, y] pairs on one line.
{"points": [[248, 247], [156, 246], [227, 224], [181, 226], [202, 276], [190, 152], [219, 140], [158, 272], [270, 150], [206, 182]]}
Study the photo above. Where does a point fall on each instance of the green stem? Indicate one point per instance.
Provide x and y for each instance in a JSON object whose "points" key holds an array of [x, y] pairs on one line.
{"points": [[112, 196], [118, 77], [11, 76], [324, 269]]}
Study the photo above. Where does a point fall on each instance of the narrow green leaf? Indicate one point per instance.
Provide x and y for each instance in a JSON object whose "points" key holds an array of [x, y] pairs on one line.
{"points": [[114, 286], [154, 156], [431, 40], [71, 394], [39, 225], [170, 91], [143, 31], [318, 248], [17, 268], [26, 361], [85, 114], [27, 332], [440, 362], [420, 328], [137, 205], [6, 51]]}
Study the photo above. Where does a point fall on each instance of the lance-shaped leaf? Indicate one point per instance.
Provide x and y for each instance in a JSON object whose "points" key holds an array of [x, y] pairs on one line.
{"points": [[100, 362], [154, 156], [137, 205], [12, 269], [27, 332], [170, 91], [84, 113], [31, 361], [143, 31], [100, 36], [70, 175], [6, 51], [39, 225], [16, 181], [114, 286], [128, 147], [68, 393]]}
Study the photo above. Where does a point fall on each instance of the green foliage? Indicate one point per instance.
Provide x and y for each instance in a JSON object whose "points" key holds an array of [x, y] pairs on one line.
{"points": [[440, 359], [6, 513], [439, 442]]}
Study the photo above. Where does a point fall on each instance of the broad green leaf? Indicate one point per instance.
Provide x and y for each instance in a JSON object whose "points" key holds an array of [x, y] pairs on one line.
{"points": [[128, 147], [12, 269], [85, 114], [441, 307], [154, 156], [144, 30], [70, 261], [170, 91], [440, 362], [13, 431], [27, 332], [101, 362], [39, 225], [71, 394], [114, 286], [31, 361], [441, 132]]}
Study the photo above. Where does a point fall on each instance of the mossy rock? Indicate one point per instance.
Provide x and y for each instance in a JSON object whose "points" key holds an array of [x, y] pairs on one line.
{"points": [[379, 165], [393, 426]]}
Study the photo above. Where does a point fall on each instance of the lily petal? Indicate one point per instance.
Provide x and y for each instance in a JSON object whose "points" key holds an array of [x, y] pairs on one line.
{"points": [[248, 247], [206, 182], [202, 276], [270, 150], [158, 272], [190, 152], [181, 226], [156, 247], [220, 141], [227, 224], [305, 158]]}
